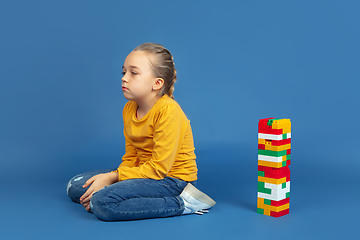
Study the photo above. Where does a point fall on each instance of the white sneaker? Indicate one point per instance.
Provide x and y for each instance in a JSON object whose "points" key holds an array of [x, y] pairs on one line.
{"points": [[196, 201]]}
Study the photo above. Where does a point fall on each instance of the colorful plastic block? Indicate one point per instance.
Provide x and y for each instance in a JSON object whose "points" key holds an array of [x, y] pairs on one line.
{"points": [[276, 191], [263, 207], [272, 153], [279, 214], [271, 180], [275, 173], [274, 158], [276, 137], [280, 203], [274, 164], [270, 147], [279, 142]]}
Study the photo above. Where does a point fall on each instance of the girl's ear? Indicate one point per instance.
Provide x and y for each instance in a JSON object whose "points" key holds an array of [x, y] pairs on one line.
{"points": [[158, 84]]}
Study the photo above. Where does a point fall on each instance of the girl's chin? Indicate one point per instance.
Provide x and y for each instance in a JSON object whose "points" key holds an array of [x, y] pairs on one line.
{"points": [[127, 96]]}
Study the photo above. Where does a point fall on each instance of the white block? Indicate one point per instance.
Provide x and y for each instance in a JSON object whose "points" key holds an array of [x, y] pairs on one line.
{"points": [[277, 192], [273, 136], [269, 158]]}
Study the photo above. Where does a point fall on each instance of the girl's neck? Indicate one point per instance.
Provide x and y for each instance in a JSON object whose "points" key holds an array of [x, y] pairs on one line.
{"points": [[145, 106]]}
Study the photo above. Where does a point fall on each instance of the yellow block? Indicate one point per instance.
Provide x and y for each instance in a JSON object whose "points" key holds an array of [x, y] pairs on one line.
{"points": [[260, 203], [276, 209], [283, 124], [267, 212], [277, 148], [268, 208], [269, 164], [272, 180], [268, 142], [287, 129], [269, 146], [278, 123], [282, 208]]}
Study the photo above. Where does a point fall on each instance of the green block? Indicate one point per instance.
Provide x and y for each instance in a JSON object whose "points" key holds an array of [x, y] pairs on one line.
{"points": [[288, 157], [261, 211], [283, 164], [287, 194], [283, 185], [267, 201], [262, 189], [284, 136], [272, 153], [270, 121], [261, 173]]}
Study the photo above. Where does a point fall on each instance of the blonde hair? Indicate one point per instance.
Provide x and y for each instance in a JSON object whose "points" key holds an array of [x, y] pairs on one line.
{"points": [[163, 66]]}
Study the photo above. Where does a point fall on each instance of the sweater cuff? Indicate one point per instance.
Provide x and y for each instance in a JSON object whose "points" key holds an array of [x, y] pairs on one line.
{"points": [[116, 171]]}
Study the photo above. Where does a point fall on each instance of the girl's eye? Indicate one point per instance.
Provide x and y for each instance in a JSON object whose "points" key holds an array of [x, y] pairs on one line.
{"points": [[123, 73], [134, 73]]}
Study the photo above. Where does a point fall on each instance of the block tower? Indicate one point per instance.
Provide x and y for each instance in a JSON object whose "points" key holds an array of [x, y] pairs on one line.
{"points": [[274, 151]]}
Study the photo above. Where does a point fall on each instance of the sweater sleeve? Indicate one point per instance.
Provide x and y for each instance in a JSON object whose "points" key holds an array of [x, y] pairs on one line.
{"points": [[130, 158], [170, 125]]}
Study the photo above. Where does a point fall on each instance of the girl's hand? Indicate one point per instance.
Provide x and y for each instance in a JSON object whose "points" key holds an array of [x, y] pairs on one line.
{"points": [[87, 206], [97, 182]]}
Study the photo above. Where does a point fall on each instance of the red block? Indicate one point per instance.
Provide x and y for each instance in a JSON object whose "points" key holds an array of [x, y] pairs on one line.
{"points": [[269, 130], [263, 122], [279, 214], [261, 146], [288, 162], [264, 128], [280, 203], [276, 173], [281, 142]]}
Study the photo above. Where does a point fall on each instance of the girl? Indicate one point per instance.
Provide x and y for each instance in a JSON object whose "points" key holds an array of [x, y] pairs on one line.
{"points": [[158, 171]]}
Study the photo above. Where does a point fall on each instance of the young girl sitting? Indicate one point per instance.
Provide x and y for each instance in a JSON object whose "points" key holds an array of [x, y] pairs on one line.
{"points": [[158, 171]]}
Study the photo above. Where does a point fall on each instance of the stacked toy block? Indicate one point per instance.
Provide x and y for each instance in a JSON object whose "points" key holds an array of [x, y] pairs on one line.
{"points": [[274, 153]]}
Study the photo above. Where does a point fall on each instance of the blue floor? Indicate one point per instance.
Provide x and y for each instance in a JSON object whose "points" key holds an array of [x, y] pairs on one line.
{"points": [[323, 204], [237, 62]]}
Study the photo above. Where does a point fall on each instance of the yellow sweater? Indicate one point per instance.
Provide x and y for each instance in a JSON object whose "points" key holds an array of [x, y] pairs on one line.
{"points": [[158, 145]]}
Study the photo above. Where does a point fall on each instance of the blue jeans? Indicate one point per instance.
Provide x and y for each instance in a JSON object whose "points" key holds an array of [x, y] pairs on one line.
{"points": [[131, 199]]}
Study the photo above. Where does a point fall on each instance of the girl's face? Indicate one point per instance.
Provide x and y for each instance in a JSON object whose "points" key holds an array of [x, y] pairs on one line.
{"points": [[138, 79]]}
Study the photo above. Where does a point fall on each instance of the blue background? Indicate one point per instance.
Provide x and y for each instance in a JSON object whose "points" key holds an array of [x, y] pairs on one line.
{"points": [[237, 62]]}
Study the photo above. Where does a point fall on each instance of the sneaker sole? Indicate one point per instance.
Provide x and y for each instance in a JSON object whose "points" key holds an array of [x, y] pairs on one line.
{"points": [[196, 193]]}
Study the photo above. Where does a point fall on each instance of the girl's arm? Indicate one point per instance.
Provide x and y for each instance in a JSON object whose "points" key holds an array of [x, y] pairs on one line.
{"points": [[130, 158], [96, 183]]}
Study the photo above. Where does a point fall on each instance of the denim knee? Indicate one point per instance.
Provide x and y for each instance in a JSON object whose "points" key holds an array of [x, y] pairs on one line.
{"points": [[74, 188], [100, 206]]}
